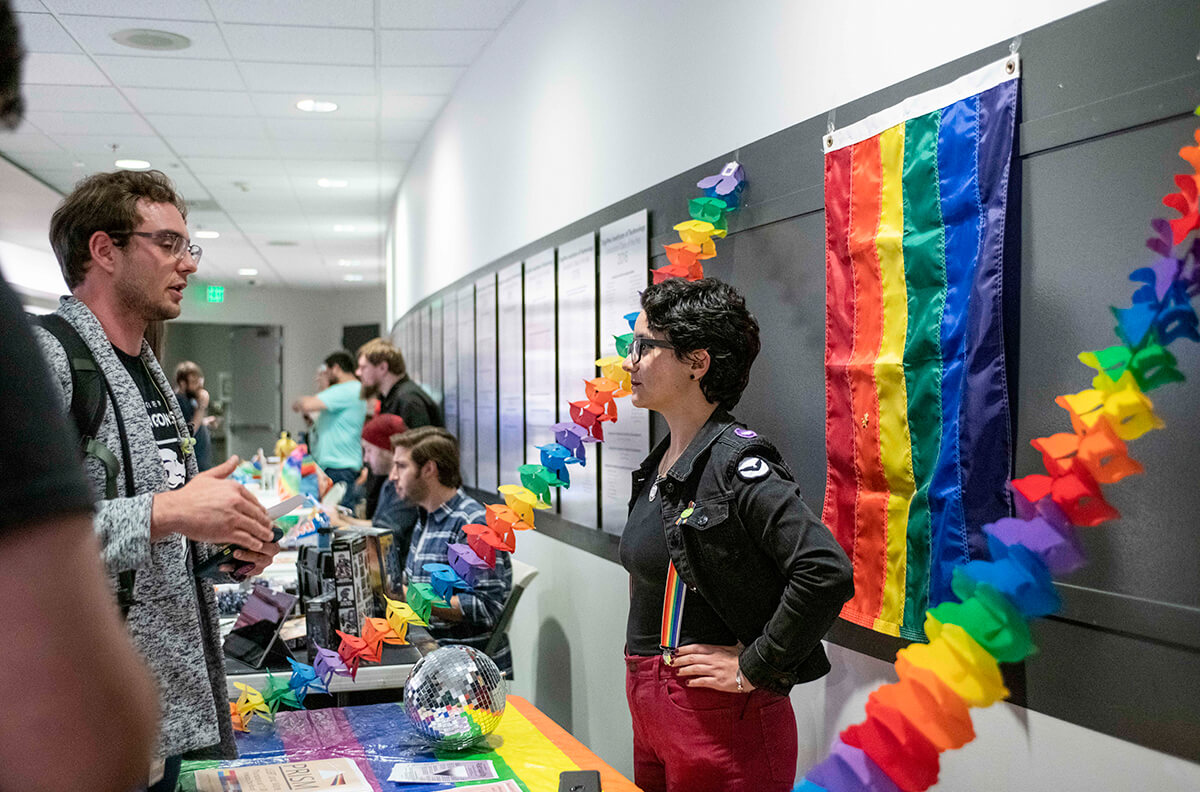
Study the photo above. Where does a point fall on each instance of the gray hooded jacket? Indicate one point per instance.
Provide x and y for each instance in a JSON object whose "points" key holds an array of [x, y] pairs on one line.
{"points": [[174, 623]]}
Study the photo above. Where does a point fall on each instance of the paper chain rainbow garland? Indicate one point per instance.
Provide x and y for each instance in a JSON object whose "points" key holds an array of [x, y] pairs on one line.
{"points": [[911, 721], [708, 222]]}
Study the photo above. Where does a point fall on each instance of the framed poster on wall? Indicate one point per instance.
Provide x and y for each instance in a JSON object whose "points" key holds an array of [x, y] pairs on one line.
{"points": [[510, 361], [541, 397], [450, 363], [577, 363], [624, 271], [486, 386], [466, 382]]}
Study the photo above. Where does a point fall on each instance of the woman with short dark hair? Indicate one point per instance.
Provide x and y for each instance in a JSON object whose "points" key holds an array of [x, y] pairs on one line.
{"points": [[734, 581]]}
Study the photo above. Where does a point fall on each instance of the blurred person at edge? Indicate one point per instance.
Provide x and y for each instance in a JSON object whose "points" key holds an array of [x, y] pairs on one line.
{"points": [[122, 242], [341, 413], [193, 403], [383, 375], [99, 708]]}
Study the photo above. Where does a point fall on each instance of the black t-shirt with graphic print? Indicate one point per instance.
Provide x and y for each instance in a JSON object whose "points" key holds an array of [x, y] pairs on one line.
{"points": [[166, 435]]}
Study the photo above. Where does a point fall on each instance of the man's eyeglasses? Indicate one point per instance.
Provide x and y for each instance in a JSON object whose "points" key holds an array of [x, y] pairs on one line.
{"points": [[167, 240], [639, 345]]}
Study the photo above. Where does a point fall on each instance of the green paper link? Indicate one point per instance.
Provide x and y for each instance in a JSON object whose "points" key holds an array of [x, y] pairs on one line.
{"points": [[623, 342], [708, 210], [993, 621]]}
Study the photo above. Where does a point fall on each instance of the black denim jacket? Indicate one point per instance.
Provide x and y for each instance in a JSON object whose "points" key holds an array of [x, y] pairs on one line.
{"points": [[752, 548]]}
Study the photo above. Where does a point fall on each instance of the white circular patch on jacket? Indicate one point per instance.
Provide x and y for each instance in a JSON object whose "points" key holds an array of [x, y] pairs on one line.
{"points": [[752, 468]]}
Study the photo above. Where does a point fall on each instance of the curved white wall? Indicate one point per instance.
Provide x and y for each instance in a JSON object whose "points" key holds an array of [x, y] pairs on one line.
{"points": [[579, 103]]}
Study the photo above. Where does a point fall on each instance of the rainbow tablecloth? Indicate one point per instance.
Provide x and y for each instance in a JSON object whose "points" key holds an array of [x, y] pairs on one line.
{"points": [[527, 747]]}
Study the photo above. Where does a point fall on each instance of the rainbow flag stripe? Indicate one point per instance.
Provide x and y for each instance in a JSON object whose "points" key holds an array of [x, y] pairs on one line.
{"points": [[918, 436]]}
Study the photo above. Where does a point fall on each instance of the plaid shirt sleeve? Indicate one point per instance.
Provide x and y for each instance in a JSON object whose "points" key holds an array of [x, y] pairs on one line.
{"points": [[481, 607]]}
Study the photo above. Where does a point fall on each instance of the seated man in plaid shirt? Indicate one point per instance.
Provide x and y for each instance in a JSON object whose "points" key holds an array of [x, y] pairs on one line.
{"points": [[425, 472]]}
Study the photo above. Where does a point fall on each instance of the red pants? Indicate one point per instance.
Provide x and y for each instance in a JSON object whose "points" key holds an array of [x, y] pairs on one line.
{"points": [[689, 739]]}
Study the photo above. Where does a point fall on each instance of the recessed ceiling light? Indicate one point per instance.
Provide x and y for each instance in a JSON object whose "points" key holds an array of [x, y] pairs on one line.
{"points": [[132, 164], [148, 39], [332, 182], [207, 234], [348, 262], [247, 271], [343, 228], [352, 277], [315, 106]]}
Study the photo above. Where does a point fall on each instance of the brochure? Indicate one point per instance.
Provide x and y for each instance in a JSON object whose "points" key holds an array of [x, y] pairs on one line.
{"points": [[317, 775]]}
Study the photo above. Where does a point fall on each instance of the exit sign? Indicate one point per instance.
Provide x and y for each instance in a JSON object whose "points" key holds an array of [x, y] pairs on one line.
{"points": [[216, 294]]}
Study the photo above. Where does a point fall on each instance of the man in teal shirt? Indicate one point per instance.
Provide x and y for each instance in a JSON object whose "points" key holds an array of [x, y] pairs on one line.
{"points": [[340, 417]]}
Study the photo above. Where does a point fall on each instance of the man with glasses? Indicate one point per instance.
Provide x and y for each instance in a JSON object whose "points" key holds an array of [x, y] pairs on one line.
{"points": [[122, 243]]}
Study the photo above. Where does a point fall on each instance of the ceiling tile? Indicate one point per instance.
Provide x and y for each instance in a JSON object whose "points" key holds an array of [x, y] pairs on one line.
{"points": [[445, 13], [320, 45], [35, 161], [42, 33], [283, 105], [309, 79], [62, 179], [94, 33], [222, 167], [329, 130], [140, 9], [431, 47], [216, 146], [347, 149], [415, 80], [417, 108], [30, 6], [56, 123], [129, 146], [190, 102], [49, 68], [75, 99], [206, 125], [343, 169], [315, 13], [161, 72], [399, 130], [27, 139], [394, 150]]}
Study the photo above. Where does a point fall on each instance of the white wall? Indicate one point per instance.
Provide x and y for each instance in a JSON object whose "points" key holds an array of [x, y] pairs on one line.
{"points": [[576, 105]]}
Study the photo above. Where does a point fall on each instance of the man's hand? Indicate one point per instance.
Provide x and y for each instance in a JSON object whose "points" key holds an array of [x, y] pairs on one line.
{"points": [[211, 508], [253, 563], [711, 667]]}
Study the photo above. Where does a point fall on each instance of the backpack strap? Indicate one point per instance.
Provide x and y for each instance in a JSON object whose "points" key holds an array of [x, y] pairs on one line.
{"points": [[90, 395]]}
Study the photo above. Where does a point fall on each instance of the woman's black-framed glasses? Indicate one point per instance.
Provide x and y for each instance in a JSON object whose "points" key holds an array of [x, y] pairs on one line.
{"points": [[168, 240], [639, 345]]}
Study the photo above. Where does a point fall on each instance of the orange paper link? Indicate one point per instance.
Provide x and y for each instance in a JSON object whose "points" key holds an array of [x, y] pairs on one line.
{"points": [[931, 706], [1105, 455], [681, 254], [1122, 404]]}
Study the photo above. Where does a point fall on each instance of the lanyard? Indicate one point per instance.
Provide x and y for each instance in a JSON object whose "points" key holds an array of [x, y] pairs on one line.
{"points": [[673, 597]]}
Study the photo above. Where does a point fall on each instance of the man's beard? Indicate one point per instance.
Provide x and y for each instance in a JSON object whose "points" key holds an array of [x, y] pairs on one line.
{"points": [[133, 300], [368, 391]]}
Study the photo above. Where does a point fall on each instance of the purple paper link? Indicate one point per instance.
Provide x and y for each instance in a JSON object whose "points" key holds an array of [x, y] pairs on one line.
{"points": [[1162, 243], [1058, 550], [465, 562], [850, 768], [1166, 270], [327, 663], [632, 319]]}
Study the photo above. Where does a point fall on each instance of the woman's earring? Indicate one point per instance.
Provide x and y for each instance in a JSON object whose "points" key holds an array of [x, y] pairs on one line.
{"points": [[691, 376]]}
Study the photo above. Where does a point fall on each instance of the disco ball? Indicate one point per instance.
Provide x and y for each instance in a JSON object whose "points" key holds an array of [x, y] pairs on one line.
{"points": [[455, 696]]}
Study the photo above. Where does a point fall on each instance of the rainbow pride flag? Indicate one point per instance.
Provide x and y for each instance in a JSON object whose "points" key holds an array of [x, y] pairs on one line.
{"points": [[917, 430]]}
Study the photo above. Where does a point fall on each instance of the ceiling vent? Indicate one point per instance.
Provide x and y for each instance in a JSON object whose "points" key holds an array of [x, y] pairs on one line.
{"points": [[147, 39], [283, 243]]}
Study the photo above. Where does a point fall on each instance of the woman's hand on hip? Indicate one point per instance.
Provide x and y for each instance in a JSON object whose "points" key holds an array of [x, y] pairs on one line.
{"points": [[706, 665]]}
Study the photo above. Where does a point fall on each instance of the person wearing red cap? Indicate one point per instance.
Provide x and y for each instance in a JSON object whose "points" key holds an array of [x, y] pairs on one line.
{"points": [[391, 512]]}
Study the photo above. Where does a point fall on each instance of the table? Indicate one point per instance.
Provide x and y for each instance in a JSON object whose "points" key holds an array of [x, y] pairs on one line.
{"points": [[527, 746]]}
